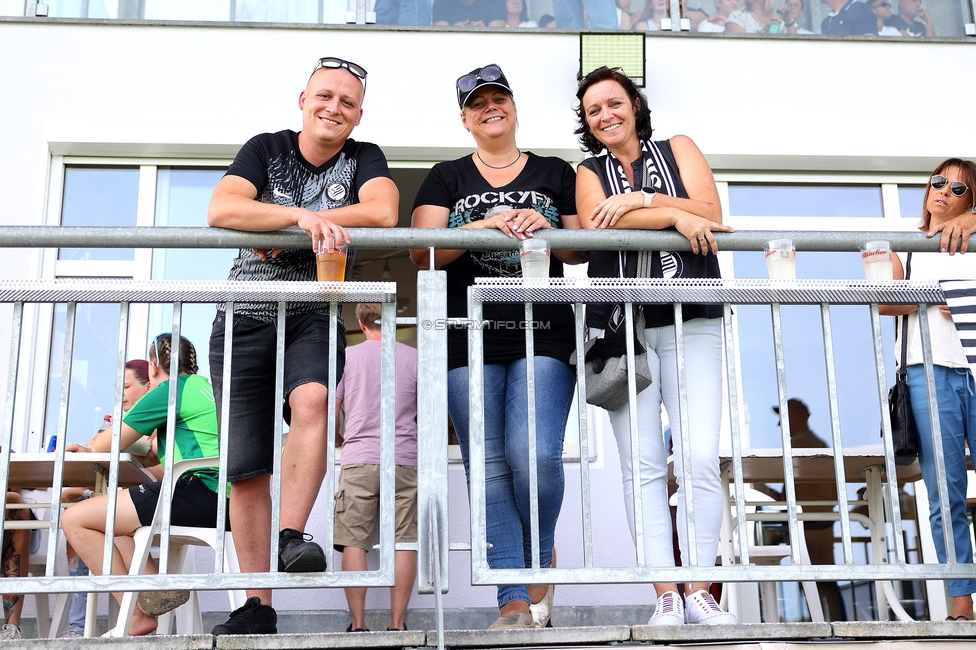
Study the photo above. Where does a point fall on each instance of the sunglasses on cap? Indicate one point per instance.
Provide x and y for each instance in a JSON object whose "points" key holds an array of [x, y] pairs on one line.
{"points": [[958, 188], [354, 69], [489, 73], [881, 4]]}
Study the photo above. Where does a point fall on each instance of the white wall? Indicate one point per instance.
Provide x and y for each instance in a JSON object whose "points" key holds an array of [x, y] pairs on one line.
{"points": [[202, 91]]}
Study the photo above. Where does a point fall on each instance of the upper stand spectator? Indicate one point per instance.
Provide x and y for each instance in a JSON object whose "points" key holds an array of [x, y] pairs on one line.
{"points": [[849, 17], [470, 13], [912, 20]]}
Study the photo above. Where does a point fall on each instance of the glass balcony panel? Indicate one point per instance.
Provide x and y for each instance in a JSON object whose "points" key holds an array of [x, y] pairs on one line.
{"points": [[212, 10], [12, 7], [99, 196], [84, 8], [282, 11], [770, 200]]}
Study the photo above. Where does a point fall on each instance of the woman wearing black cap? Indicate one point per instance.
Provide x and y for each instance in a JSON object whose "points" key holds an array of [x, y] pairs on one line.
{"points": [[518, 193]]}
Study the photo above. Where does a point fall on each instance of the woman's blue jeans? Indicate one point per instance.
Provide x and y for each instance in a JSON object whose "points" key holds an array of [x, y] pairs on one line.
{"points": [[957, 417], [507, 457]]}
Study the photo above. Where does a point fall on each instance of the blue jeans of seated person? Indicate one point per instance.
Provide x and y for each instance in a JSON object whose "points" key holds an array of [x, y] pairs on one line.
{"points": [[79, 601], [957, 418], [507, 457], [402, 12]]}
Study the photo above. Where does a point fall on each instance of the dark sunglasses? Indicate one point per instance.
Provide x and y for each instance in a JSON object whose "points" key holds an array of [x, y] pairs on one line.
{"points": [[881, 4], [489, 73], [354, 69], [958, 188]]}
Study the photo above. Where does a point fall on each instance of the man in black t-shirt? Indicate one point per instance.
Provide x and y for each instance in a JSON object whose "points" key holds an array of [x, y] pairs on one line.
{"points": [[907, 21], [321, 181]]}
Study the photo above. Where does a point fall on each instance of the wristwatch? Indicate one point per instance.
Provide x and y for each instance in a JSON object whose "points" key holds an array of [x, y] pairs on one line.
{"points": [[649, 194]]}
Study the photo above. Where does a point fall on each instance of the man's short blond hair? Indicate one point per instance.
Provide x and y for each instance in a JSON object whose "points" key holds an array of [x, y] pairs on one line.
{"points": [[369, 314]]}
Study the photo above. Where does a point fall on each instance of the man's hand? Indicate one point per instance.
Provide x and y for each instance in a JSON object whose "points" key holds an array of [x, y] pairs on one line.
{"points": [[319, 228], [955, 233]]}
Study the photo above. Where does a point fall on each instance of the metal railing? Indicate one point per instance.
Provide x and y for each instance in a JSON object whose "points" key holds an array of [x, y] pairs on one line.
{"points": [[433, 544]]}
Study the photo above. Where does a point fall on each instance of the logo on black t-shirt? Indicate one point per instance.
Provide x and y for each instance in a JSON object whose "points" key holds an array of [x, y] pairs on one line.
{"points": [[337, 191]]}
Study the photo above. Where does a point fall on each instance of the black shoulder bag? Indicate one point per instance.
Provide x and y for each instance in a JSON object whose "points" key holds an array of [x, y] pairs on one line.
{"points": [[904, 433]]}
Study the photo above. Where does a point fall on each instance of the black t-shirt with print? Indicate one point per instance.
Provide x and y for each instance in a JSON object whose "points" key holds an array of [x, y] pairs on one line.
{"points": [[274, 164], [547, 185]]}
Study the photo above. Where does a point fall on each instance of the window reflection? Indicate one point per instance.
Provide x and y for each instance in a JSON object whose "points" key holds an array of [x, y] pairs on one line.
{"points": [[96, 350], [805, 200], [182, 197], [853, 347], [910, 198], [99, 196]]}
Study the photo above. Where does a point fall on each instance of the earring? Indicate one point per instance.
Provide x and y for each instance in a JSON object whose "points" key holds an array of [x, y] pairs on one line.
{"points": [[973, 210]]}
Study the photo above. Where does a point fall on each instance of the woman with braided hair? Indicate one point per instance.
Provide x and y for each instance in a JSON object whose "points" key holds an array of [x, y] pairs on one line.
{"points": [[194, 494]]}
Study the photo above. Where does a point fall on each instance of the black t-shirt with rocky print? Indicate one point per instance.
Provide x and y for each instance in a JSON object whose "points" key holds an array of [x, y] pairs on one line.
{"points": [[547, 185]]}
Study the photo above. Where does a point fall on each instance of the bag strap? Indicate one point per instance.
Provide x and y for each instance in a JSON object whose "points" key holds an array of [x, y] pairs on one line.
{"points": [[904, 322]]}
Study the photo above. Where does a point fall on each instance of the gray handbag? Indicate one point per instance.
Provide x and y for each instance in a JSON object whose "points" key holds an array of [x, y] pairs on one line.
{"points": [[606, 357]]}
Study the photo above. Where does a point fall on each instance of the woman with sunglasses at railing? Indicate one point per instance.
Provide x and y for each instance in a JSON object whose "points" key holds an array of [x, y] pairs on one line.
{"points": [[948, 196], [518, 193], [640, 183], [194, 494]]}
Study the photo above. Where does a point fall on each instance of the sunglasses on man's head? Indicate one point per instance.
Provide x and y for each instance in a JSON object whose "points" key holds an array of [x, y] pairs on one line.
{"points": [[354, 69], [488, 73], [958, 188], [881, 4]]}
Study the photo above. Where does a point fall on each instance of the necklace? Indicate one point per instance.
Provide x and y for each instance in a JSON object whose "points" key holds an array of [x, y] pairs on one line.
{"points": [[519, 156]]}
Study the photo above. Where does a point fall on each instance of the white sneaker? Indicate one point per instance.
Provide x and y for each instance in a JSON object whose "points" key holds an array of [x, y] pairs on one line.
{"points": [[669, 610], [9, 631], [701, 608], [71, 633]]}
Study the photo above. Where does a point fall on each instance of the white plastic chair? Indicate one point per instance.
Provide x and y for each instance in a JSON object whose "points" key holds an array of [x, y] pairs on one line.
{"points": [[187, 616], [741, 599]]}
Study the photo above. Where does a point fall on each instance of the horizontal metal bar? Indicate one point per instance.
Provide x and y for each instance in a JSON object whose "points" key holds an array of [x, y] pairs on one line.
{"points": [[729, 573], [419, 238], [726, 573], [748, 291], [109, 291]]}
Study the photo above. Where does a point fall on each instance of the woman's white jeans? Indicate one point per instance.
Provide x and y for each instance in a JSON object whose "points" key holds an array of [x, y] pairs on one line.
{"points": [[703, 373]]}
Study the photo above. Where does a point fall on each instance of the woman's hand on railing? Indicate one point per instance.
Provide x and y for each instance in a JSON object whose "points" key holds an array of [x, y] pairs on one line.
{"points": [[955, 233]]}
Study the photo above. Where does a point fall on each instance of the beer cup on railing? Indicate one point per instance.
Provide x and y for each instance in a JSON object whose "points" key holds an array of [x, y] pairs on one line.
{"points": [[534, 256], [780, 259], [330, 259], [876, 256]]}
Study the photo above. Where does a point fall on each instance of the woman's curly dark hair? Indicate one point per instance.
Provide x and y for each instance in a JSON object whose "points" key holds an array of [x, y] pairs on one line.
{"points": [[587, 139]]}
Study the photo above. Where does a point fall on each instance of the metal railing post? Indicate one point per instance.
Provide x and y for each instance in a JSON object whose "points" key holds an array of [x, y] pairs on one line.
{"points": [[432, 479]]}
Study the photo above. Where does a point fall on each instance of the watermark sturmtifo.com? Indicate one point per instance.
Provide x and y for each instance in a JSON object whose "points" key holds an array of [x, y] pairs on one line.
{"points": [[444, 324]]}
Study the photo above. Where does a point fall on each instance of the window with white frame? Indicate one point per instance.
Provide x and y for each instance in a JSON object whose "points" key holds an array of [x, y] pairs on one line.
{"points": [[818, 202], [101, 192]]}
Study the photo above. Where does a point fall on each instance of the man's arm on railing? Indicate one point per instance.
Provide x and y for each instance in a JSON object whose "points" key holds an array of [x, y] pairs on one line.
{"points": [[234, 205]]}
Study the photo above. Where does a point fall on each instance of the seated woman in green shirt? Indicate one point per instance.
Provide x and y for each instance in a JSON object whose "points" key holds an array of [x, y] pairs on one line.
{"points": [[194, 494]]}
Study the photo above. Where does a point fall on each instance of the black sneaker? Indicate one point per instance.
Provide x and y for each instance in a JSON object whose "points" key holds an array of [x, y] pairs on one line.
{"points": [[252, 618], [298, 555]]}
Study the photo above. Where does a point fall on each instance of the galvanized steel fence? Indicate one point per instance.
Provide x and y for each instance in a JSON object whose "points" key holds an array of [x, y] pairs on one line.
{"points": [[433, 544]]}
